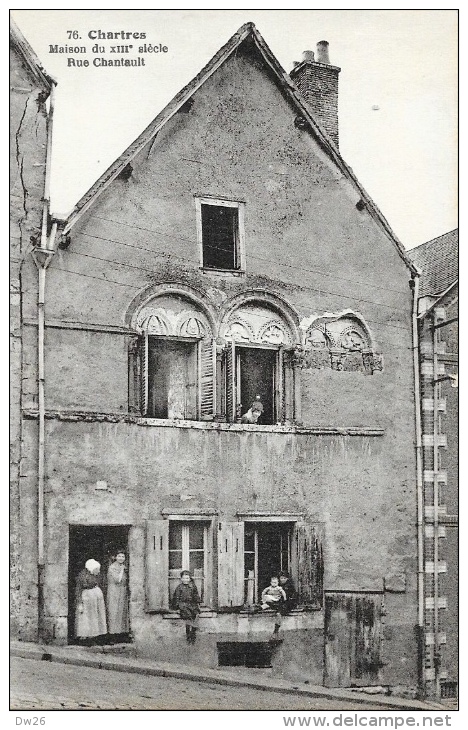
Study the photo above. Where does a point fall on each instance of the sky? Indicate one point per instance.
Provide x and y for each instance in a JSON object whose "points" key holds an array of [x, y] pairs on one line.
{"points": [[397, 94]]}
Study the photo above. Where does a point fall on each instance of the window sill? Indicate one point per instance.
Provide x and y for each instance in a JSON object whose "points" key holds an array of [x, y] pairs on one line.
{"points": [[257, 428], [174, 615], [222, 272], [92, 416], [258, 611]]}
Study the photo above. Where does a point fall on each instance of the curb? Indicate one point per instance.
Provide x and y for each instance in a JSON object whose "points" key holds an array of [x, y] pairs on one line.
{"points": [[194, 674]]}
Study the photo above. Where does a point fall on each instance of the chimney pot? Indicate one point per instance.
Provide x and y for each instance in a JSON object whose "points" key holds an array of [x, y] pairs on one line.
{"points": [[322, 52], [308, 56]]}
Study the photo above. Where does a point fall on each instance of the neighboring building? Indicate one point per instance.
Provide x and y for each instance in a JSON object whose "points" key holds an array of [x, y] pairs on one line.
{"points": [[438, 334], [230, 252], [30, 129]]}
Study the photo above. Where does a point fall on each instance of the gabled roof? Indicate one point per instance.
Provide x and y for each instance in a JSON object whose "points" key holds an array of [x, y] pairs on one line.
{"points": [[247, 31], [438, 262], [34, 66]]}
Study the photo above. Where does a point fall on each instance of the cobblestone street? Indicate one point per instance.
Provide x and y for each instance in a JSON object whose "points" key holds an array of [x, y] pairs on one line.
{"points": [[39, 685]]}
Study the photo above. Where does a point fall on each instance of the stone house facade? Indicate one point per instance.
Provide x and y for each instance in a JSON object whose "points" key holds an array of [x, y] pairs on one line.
{"points": [[230, 253], [438, 347]]}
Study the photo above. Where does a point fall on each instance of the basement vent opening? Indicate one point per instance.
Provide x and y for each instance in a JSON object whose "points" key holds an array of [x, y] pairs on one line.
{"points": [[448, 690], [251, 654]]}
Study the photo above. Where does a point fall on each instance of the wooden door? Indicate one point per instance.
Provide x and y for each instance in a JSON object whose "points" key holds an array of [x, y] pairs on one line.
{"points": [[352, 639]]}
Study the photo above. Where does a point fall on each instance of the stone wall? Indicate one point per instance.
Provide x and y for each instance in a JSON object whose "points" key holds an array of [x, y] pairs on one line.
{"points": [[28, 137]]}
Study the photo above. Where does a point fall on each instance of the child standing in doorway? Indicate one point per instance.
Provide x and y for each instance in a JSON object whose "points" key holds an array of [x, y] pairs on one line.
{"points": [[187, 601]]}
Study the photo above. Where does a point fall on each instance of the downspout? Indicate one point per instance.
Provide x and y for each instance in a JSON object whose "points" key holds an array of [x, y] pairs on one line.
{"points": [[42, 256], [419, 484]]}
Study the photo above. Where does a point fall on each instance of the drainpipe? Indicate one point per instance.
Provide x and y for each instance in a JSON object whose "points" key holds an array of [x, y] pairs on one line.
{"points": [[419, 483], [42, 256]]}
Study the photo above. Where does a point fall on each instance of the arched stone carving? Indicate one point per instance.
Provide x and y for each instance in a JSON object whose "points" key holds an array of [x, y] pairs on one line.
{"points": [[272, 319], [239, 330], [352, 339], [154, 321], [173, 297], [273, 333], [172, 320], [189, 324], [346, 340], [318, 337], [256, 323]]}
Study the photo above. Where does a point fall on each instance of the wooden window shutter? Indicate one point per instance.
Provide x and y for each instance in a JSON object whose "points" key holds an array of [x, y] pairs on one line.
{"points": [[230, 564], [207, 378], [288, 386], [157, 565], [230, 377], [144, 377], [279, 386], [134, 374], [307, 563]]}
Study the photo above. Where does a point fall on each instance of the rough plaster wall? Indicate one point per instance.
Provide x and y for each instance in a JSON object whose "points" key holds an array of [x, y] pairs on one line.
{"points": [[329, 478], [86, 370], [28, 132]]}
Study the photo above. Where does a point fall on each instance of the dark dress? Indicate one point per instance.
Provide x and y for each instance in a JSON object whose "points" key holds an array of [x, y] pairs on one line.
{"points": [[291, 598], [186, 601]]}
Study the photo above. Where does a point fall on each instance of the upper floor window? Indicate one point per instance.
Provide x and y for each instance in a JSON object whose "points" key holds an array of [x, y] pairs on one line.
{"points": [[257, 367], [172, 362], [171, 378], [220, 226]]}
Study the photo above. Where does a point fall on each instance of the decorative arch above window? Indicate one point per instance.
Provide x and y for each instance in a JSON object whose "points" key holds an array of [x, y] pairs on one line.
{"points": [[172, 360], [341, 342], [257, 324]]}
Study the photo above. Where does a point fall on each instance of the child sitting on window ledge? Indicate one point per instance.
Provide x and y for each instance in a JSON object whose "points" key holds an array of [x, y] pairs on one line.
{"points": [[186, 600], [273, 595]]}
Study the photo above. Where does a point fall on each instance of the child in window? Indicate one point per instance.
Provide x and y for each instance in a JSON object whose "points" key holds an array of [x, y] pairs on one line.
{"points": [[186, 600], [274, 597]]}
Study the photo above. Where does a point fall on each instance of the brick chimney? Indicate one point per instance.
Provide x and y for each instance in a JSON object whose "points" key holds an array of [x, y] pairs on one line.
{"points": [[317, 80]]}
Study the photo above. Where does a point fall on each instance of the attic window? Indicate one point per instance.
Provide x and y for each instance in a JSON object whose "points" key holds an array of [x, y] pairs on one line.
{"points": [[220, 233]]}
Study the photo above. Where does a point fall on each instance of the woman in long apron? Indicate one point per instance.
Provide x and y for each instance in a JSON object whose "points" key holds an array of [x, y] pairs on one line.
{"points": [[117, 597], [90, 621]]}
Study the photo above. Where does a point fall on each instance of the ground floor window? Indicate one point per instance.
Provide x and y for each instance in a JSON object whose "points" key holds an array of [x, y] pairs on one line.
{"points": [[267, 551], [187, 551], [249, 553]]}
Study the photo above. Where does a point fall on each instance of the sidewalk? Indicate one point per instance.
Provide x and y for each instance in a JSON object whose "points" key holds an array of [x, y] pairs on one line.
{"points": [[102, 658]]}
